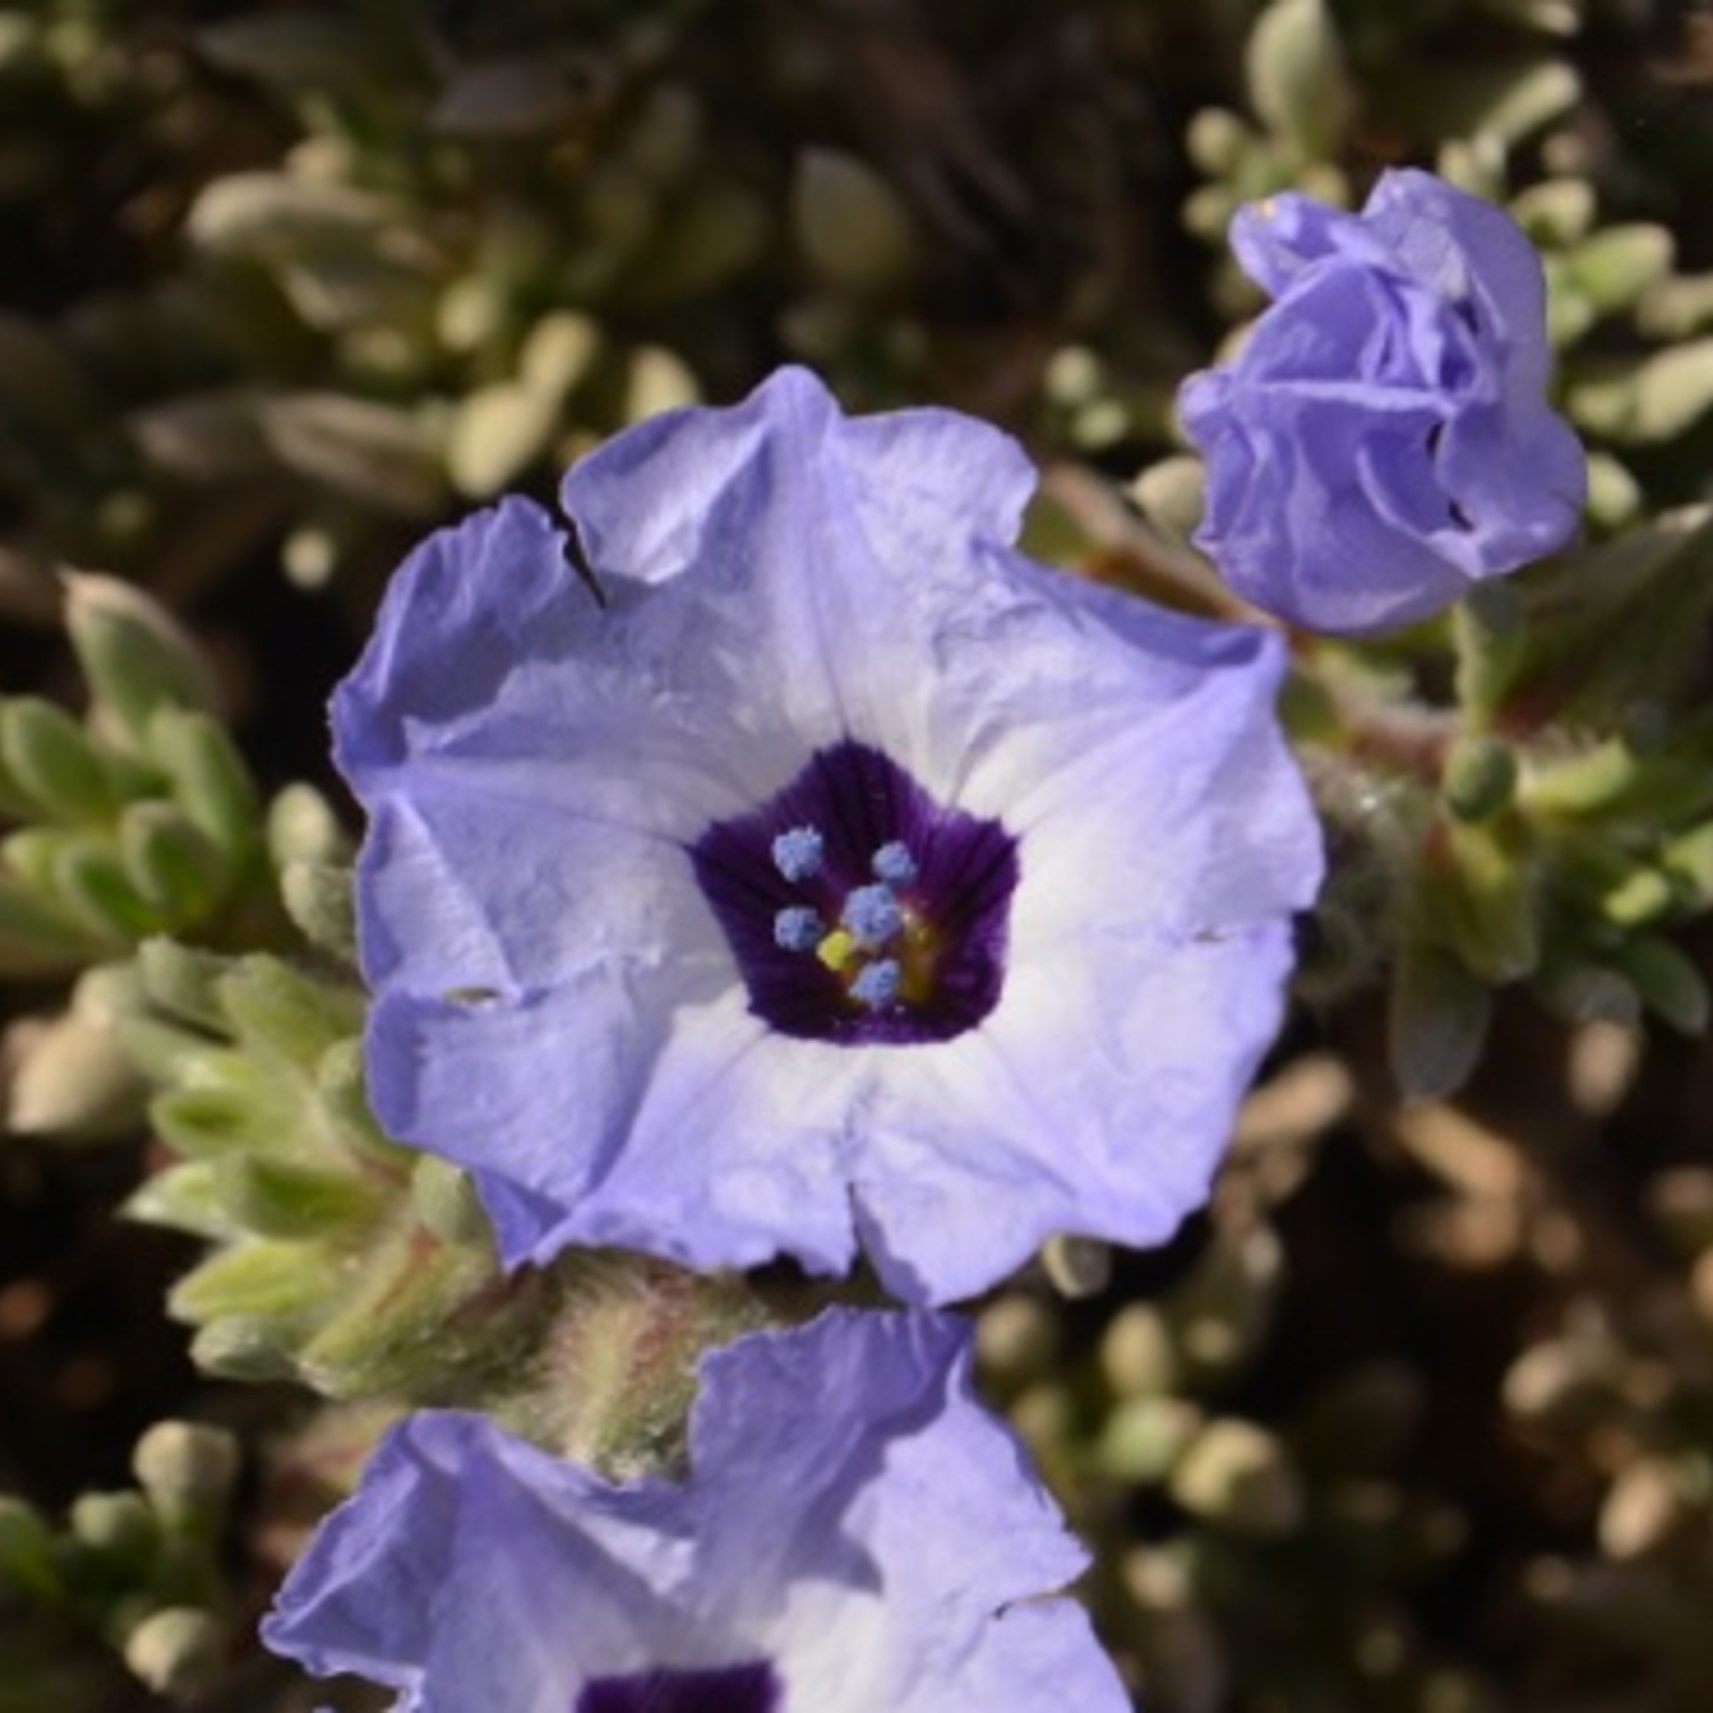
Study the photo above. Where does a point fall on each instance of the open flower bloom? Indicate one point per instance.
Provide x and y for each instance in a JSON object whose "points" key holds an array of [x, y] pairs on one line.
{"points": [[843, 873], [1383, 438], [857, 1535]]}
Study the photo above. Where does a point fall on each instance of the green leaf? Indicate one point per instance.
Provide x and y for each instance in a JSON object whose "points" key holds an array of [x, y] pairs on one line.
{"points": [[1437, 1020], [497, 432], [408, 1324], [446, 1201], [76, 1083], [339, 1082], [851, 225], [319, 899], [273, 1006], [1480, 778], [36, 937], [183, 1198], [302, 827], [1671, 985], [275, 218], [173, 864], [48, 754], [1297, 77], [252, 1348], [1649, 400], [1615, 623], [280, 1198], [166, 1054], [299, 50], [1614, 266], [378, 454], [28, 1562], [208, 778], [232, 1102], [184, 980], [1488, 905], [1502, 99], [134, 655], [90, 880], [270, 1281]]}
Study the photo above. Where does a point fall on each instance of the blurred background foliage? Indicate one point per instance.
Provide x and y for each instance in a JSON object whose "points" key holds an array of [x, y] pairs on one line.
{"points": [[1418, 1417]]}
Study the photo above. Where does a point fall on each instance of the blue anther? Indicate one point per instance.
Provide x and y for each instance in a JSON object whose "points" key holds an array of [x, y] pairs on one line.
{"points": [[872, 913], [894, 864], [797, 853], [876, 984], [798, 929]]}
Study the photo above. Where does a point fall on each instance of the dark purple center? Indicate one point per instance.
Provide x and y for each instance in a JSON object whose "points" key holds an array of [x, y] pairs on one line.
{"points": [[861, 911], [749, 1688]]}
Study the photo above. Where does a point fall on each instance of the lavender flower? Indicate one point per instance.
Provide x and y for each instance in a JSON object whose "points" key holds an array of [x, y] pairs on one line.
{"points": [[1383, 439], [845, 872], [856, 1534]]}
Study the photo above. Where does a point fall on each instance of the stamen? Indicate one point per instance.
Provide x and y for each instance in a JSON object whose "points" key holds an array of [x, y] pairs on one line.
{"points": [[798, 929], [797, 853], [836, 950], [873, 914], [876, 984], [894, 864]]}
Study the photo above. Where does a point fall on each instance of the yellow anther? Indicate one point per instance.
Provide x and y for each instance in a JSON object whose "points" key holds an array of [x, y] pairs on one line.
{"points": [[837, 950]]}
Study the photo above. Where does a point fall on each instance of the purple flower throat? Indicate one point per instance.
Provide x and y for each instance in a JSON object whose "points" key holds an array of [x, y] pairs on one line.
{"points": [[752, 1688], [859, 910]]}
